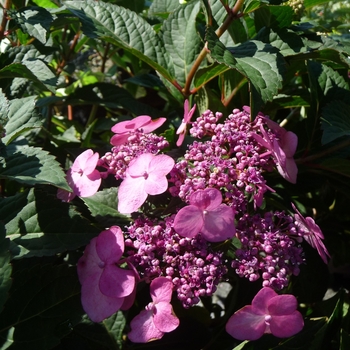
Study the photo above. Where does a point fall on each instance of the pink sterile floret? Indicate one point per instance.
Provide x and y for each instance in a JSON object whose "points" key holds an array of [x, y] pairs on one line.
{"points": [[158, 317], [181, 131], [142, 122], [105, 286], [145, 175], [269, 313], [283, 147], [82, 177], [312, 233], [206, 215]]}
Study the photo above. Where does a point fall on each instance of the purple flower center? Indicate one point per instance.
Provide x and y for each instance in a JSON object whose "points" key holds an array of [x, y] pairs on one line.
{"points": [[268, 319], [101, 264]]}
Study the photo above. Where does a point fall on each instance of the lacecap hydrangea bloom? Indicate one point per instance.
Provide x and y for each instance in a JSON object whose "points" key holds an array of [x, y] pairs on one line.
{"points": [[212, 202]]}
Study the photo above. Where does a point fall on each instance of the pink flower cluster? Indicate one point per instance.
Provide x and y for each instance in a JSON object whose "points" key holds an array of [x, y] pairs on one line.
{"points": [[211, 196]]}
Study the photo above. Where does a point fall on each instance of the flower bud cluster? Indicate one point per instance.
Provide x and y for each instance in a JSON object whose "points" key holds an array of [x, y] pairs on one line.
{"points": [[155, 249], [269, 250], [232, 160], [138, 142]]}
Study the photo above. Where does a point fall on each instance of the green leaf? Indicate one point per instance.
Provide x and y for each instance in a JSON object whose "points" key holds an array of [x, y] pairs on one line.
{"points": [[162, 8], [287, 42], [32, 165], [326, 84], [39, 224], [312, 3], [45, 3], [241, 346], [181, 39], [114, 326], [204, 75], [5, 266], [33, 20], [4, 108], [103, 206], [22, 117], [335, 121], [34, 70], [252, 5], [124, 29], [260, 63], [336, 166], [43, 307], [111, 96]]}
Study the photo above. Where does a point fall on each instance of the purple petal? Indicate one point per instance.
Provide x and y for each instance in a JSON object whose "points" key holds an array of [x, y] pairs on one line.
{"points": [[161, 164], [161, 289], [208, 199], [289, 143], [244, 324], [286, 326], [131, 125], [97, 305], [82, 161], [131, 195], [139, 166], [143, 329], [65, 196], [153, 125], [119, 139], [83, 185], [281, 305], [110, 245], [312, 233], [116, 282], [219, 224], [91, 164], [164, 318], [188, 221], [181, 134], [88, 263], [261, 300]]}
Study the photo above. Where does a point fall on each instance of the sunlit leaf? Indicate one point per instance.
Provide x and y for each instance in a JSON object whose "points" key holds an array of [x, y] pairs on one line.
{"points": [[125, 29], [33, 165]]}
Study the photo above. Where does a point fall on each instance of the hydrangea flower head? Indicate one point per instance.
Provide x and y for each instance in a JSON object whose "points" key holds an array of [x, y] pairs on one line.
{"points": [[104, 285], [207, 215], [82, 177], [143, 122], [158, 317], [181, 131], [269, 313], [312, 233], [145, 175]]}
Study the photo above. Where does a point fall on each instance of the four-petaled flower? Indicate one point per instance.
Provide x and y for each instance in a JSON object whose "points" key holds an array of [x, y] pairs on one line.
{"points": [[145, 175], [269, 313], [158, 317], [282, 147], [142, 122], [105, 286], [181, 131], [312, 233], [206, 215], [82, 177]]}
